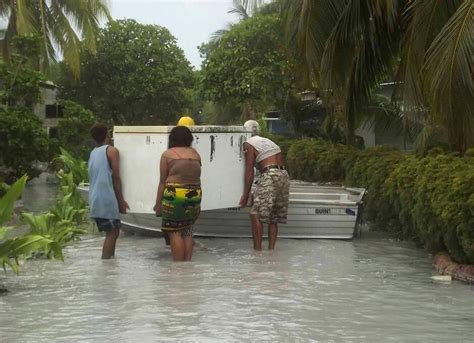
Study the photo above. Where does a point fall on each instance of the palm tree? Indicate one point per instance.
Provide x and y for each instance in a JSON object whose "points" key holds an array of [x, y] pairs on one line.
{"points": [[348, 47], [435, 75], [63, 25], [351, 45]]}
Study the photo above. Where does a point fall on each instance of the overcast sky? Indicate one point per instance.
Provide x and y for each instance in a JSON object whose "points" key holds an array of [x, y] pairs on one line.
{"points": [[191, 21]]}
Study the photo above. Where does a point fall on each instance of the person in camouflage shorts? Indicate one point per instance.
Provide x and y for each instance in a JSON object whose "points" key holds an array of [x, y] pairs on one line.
{"points": [[271, 196], [270, 200]]}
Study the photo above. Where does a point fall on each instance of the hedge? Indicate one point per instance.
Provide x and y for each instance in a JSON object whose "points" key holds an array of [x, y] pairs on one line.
{"points": [[427, 199], [319, 161]]}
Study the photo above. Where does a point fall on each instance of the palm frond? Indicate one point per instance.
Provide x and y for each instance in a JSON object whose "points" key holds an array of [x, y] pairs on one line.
{"points": [[62, 22], [422, 21], [8, 200], [217, 35], [24, 16], [239, 8], [308, 24], [448, 71], [359, 54], [68, 41], [86, 16]]}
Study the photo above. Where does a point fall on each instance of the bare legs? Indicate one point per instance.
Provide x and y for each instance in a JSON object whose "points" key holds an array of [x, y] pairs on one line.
{"points": [[257, 233], [181, 247], [272, 235], [167, 238], [108, 249]]}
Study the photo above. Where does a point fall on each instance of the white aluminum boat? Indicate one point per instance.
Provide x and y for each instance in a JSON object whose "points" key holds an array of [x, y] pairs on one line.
{"points": [[314, 212]]}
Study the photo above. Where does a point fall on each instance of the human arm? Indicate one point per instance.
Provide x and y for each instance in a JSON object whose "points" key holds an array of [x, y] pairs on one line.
{"points": [[161, 184], [114, 160], [249, 173]]}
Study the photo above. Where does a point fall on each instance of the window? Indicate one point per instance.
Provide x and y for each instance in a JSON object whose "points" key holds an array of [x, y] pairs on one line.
{"points": [[54, 111]]}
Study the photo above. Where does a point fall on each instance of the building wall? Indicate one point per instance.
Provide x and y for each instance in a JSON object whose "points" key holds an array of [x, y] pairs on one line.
{"points": [[48, 98]]}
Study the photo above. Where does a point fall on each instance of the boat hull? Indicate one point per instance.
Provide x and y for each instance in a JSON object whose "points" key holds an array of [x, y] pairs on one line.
{"points": [[314, 212]]}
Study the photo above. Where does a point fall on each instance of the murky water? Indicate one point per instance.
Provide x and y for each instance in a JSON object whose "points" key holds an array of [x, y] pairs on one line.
{"points": [[367, 290]]}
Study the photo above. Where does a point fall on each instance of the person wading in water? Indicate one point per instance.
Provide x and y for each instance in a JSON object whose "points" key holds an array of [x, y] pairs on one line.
{"points": [[269, 202], [105, 191]]}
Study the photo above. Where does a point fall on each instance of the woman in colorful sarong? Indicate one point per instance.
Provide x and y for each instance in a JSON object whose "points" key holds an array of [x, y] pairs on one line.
{"points": [[178, 199]]}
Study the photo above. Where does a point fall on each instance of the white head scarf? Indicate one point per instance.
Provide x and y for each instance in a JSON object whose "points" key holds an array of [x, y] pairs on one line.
{"points": [[253, 126]]}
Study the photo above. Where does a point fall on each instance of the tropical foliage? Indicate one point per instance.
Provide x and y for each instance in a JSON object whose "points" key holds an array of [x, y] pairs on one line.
{"points": [[138, 76], [20, 86], [68, 26], [74, 129], [14, 248], [48, 232], [248, 67], [428, 199], [7, 201], [351, 46], [318, 160], [76, 167], [23, 141]]}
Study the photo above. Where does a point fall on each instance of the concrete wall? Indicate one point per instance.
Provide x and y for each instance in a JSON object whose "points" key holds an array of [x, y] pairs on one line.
{"points": [[48, 97]]}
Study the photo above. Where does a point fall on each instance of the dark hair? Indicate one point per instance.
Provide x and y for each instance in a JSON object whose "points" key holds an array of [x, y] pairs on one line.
{"points": [[99, 132], [180, 136]]}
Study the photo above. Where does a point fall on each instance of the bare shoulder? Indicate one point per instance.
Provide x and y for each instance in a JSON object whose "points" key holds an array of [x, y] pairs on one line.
{"points": [[196, 154], [167, 154], [248, 147], [112, 151]]}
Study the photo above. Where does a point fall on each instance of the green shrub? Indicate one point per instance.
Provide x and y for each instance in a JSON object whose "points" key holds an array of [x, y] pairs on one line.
{"points": [[444, 205], [303, 156], [23, 141], [399, 192], [428, 199], [317, 160], [369, 169], [73, 130], [332, 162]]}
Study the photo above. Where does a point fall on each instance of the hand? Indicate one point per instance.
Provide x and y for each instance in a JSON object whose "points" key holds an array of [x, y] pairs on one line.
{"points": [[157, 209], [123, 207], [243, 200]]}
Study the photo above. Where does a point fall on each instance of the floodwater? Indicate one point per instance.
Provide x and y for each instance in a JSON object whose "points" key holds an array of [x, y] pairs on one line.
{"points": [[373, 289]]}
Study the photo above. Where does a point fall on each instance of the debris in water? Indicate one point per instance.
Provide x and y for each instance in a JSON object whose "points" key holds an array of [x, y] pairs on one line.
{"points": [[445, 278]]}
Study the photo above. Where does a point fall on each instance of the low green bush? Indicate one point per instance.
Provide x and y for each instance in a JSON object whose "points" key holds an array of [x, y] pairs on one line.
{"points": [[444, 206], [369, 169], [428, 199]]}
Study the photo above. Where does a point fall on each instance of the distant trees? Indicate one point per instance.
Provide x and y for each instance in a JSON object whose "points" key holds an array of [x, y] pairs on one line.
{"points": [[137, 76], [247, 67]]}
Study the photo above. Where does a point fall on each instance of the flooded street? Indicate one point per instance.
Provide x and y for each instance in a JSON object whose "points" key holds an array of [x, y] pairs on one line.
{"points": [[367, 290]]}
